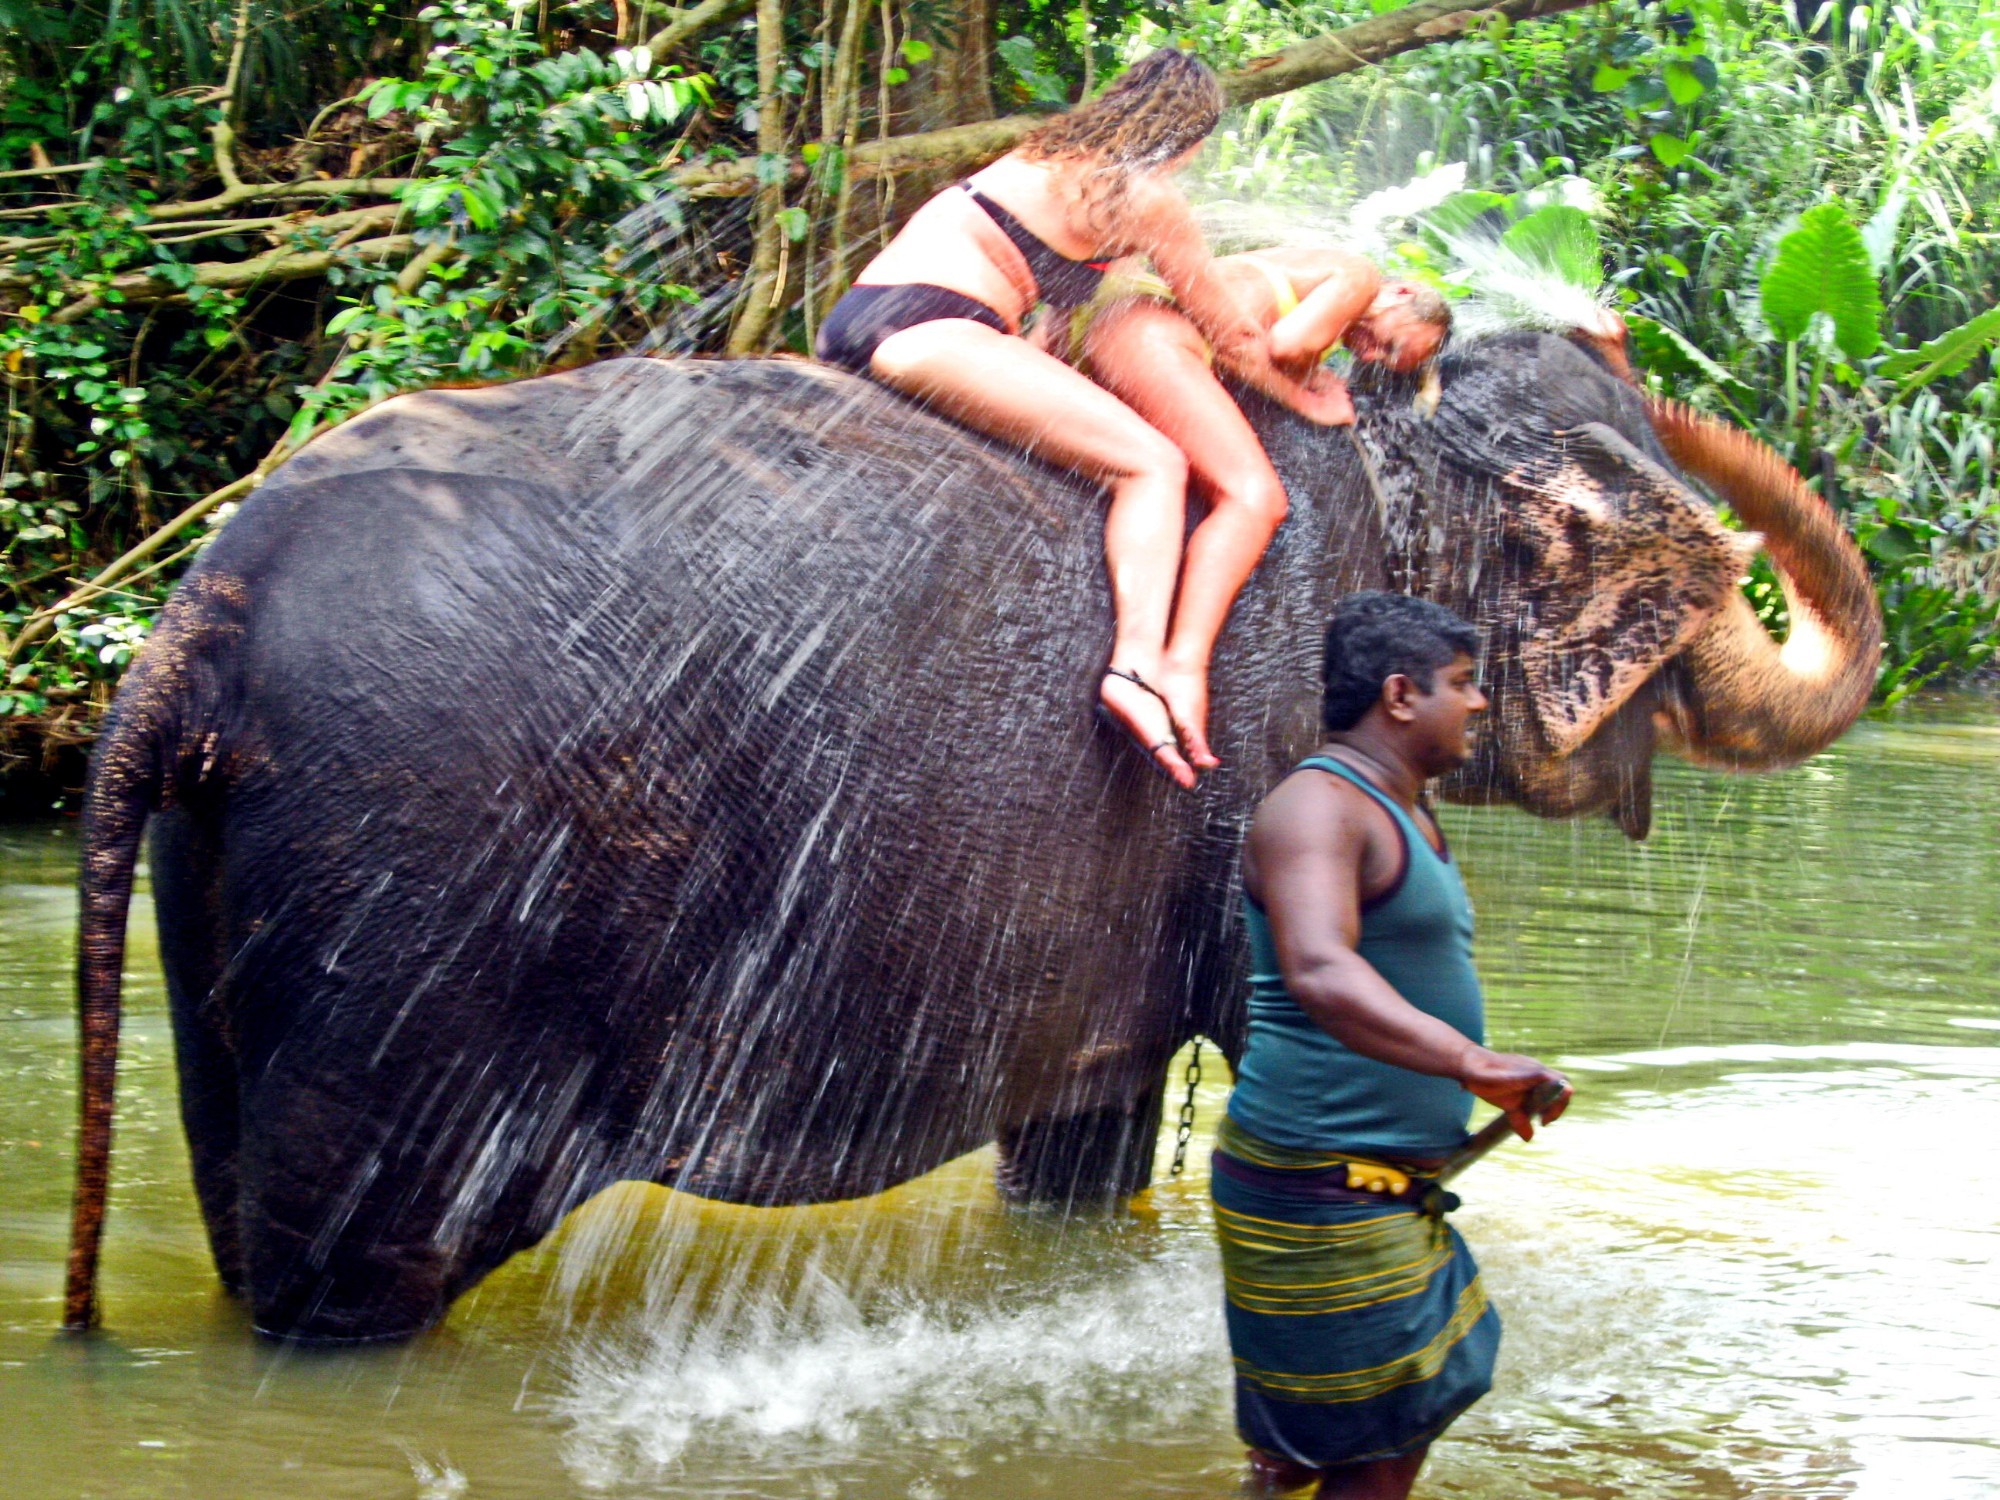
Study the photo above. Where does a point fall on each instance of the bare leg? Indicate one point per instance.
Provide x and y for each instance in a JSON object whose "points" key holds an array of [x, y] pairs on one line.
{"points": [[1384, 1479], [1272, 1475], [1153, 359], [1004, 386]]}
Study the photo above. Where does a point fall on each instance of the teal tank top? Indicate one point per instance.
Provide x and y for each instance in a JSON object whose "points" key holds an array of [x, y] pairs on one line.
{"points": [[1297, 1086]]}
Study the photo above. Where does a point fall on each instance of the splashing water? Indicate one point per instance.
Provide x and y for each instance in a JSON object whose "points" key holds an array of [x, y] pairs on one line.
{"points": [[818, 1376]]}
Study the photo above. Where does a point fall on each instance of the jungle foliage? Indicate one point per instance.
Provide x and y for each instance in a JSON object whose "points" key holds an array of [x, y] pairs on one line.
{"points": [[227, 223]]}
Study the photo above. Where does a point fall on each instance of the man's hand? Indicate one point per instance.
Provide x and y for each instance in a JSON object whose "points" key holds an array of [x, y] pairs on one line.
{"points": [[1511, 1082]]}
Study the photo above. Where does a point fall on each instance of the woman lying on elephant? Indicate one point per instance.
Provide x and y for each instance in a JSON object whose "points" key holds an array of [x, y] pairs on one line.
{"points": [[1139, 343], [938, 312]]}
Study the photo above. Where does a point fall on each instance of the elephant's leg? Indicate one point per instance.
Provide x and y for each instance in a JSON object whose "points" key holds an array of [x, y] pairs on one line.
{"points": [[1092, 1160], [371, 1204], [184, 862], [330, 1255]]}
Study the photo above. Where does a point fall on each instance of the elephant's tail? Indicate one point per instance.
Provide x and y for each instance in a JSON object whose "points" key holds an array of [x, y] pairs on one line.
{"points": [[128, 772]]}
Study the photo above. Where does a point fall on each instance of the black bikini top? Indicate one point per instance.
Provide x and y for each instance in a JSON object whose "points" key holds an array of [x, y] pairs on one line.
{"points": [[1063, 282]]}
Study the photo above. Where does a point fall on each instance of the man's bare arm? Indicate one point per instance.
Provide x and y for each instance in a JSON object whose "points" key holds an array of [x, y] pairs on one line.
{"points": [[1308, 848]]}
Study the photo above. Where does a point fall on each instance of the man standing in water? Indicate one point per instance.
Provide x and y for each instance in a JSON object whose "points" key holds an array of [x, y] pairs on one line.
{"points": [[1358, 1321]]}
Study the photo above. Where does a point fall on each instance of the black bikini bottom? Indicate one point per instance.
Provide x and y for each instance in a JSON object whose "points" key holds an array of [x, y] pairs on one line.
{"points": [[866, 315]]}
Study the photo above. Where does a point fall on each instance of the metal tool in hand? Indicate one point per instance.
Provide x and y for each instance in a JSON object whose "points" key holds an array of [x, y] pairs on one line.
{"points": [[1494, 1131]]}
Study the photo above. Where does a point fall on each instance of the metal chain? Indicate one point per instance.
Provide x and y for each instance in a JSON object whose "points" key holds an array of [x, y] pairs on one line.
{"points": [[1184, 1131]]}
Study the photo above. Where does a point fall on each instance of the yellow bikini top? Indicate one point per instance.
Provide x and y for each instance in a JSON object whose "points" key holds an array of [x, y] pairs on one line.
{"points": [[1281, 285]]}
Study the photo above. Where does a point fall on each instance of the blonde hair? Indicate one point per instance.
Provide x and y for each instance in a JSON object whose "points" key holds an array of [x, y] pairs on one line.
{"points": [[1424, 303]]}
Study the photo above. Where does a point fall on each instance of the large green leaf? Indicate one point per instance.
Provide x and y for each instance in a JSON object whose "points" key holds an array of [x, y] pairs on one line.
{"points": [[1560, 240], [1946, 354], [1455, 217], [1822, 267]]}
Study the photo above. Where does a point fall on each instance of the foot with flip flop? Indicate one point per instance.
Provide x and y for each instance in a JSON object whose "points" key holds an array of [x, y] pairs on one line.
{"points": [[1162, 714]]}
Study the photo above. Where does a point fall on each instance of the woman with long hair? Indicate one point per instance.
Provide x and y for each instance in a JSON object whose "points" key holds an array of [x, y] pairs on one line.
{"points": [[937, 315]]}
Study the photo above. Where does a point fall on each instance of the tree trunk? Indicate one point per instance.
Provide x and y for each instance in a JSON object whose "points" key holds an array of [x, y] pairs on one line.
{"points": [[766, 274]]}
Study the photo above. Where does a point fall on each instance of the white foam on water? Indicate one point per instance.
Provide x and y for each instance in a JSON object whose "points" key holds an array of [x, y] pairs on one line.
{"points": [[1136, 1345]]}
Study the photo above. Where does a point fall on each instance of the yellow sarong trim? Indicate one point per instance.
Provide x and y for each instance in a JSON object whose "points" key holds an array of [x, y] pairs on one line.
{"points": [[1361, 1385]]}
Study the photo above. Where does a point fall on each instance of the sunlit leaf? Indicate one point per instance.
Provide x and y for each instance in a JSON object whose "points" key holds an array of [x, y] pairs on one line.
{"points": [[1684, 85], [1560, 240], [1822, 267]]}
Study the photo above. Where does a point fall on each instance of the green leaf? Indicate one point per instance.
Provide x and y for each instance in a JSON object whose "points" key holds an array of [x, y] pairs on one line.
{"points": [[1944, 355], [794, 222], [1608, 80], [1560, 240], [915, 51], [1455, 217], [1670, 150], [1668, 351], [1018, 53], [1895, 543], [1822, 267], [1684, 85]]}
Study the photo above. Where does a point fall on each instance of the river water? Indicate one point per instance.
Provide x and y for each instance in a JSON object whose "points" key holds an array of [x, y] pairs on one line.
{"points": [[1756, 1259]]}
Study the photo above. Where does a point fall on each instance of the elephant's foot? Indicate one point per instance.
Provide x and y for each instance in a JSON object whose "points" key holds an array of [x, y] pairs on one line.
{"points": [[1087, 1161], [354, 1292]]}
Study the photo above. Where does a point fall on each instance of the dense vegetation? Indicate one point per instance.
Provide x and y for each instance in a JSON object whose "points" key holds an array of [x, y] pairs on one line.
{"points": [[225, 223]]}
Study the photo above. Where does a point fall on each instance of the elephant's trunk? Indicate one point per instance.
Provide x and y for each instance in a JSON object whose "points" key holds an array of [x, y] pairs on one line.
{"points": [[1740, 700]]}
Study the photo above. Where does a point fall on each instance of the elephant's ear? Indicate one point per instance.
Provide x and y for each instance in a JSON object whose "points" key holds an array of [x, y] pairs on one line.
{"points": [[1624, 564]]}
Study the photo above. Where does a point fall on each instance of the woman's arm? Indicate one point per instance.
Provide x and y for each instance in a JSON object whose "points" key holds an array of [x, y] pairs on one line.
{"points": [[1165, 229], [1344, 293]]}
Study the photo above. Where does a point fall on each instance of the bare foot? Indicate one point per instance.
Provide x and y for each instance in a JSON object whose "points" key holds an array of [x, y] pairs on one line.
{"points": [[1143, 715], [1187, 702], [1272, 1475]]}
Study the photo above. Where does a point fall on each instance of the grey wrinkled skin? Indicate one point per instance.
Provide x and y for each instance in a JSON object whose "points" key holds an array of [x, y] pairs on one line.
{"points": [[687, 772]]}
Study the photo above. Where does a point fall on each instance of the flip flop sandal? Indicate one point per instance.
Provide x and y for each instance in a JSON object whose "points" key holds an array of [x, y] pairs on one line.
{"points": [[1119, 724]]}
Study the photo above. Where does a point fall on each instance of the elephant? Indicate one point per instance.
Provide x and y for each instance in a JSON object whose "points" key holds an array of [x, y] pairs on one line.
{"points": [[683, 771]]}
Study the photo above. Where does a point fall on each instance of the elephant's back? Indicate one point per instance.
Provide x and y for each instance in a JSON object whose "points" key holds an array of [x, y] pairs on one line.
{"points": [[739, 539]]}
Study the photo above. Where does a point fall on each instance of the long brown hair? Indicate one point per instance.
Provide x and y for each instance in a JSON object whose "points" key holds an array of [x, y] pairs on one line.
{"points": [[1165, 103]]}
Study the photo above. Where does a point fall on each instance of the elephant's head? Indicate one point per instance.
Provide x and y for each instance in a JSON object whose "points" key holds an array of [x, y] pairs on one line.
{"points": [[1608, 587]]}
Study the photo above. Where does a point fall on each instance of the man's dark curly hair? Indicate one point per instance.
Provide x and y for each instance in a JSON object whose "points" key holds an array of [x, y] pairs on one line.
{"points": [[1372, 637]]}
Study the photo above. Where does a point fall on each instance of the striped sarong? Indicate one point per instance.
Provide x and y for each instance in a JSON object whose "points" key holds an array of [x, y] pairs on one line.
{"points": [[1360, 1330]]}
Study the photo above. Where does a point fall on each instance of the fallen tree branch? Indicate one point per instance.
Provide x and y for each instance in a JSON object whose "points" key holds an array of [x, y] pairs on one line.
{"points": [[691, 23], [965, 147], [43, 620], [235, 275], [279, 192], [53, 170], [187, 231], [1368, 42]]}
